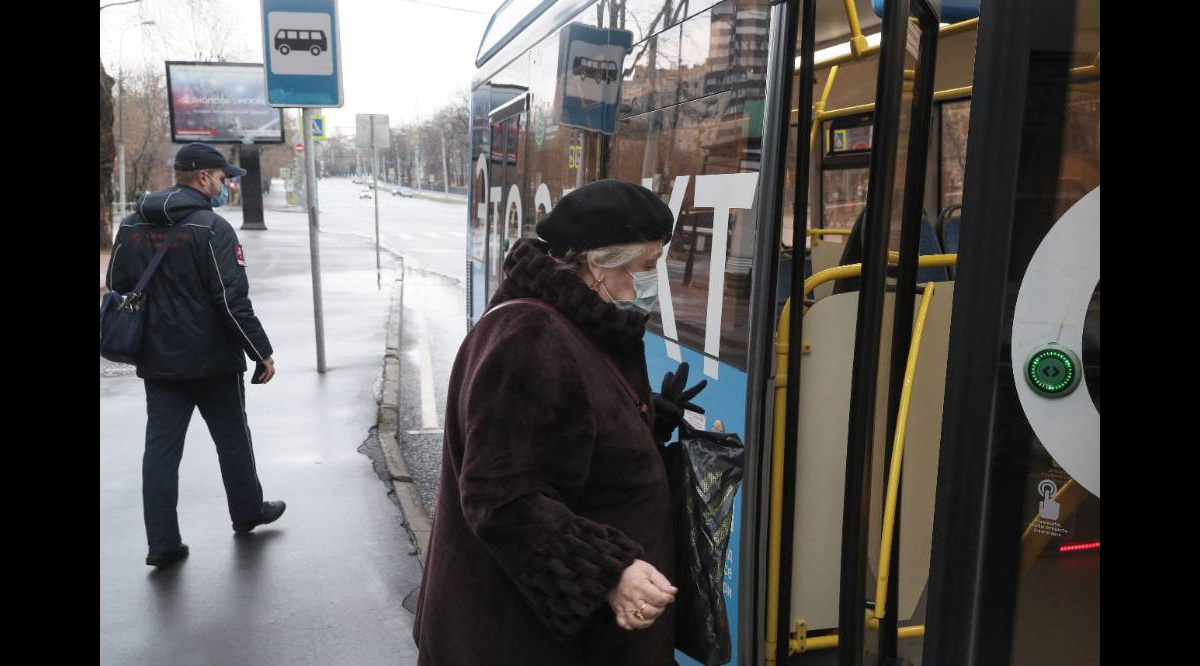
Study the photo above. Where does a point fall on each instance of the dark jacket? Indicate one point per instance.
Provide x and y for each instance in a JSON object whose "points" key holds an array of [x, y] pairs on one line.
{"points": [[551, 485], [199, 321]]}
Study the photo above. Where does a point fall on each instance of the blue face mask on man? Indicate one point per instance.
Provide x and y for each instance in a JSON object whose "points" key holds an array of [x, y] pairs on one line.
{"points": [[218, 200]]}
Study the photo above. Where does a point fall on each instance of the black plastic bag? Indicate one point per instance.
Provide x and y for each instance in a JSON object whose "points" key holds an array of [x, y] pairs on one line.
{"points": [[705, 470]]}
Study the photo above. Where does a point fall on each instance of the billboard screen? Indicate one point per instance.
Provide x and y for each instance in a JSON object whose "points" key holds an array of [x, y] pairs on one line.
{"points": [[221, 103]]}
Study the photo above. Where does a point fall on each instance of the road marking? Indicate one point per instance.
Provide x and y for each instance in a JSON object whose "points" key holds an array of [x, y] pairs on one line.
{"points": [[429, 418]]}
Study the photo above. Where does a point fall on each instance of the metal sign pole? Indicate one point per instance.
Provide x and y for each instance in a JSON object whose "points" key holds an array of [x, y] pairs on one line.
{"points": [[313, 242]]}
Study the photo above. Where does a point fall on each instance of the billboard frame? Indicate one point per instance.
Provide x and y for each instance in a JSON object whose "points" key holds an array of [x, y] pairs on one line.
{"points": [[171, 106]]}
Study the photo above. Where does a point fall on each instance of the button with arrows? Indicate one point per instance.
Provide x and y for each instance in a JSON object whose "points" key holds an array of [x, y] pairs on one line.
{"points": [[1052, 370]]}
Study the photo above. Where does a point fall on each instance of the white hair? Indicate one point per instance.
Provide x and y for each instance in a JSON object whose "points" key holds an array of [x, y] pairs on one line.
{"points": [[610, 256]]}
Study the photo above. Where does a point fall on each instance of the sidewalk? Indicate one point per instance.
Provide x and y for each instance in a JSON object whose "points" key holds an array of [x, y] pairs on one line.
{"points": [[327, 582]]}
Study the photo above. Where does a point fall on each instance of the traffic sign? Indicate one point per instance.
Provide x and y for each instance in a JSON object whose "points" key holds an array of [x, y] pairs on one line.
{"points": [[302, 53], [365, 124], [317, 128], [299, 149]]}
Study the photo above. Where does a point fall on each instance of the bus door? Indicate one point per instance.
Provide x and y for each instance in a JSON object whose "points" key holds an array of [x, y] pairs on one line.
{"points": [[1016, 542], [854, 564], [507, 129]]}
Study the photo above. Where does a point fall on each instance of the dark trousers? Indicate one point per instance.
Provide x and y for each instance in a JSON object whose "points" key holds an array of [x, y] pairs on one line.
{"points": [[169, 406]]}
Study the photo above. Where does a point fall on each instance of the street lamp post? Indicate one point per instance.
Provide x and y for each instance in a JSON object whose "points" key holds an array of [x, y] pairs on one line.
{"points": [[121, 104]]}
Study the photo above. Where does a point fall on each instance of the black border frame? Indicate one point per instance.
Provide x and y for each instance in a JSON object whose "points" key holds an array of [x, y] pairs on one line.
{"points": [[171, 106]]}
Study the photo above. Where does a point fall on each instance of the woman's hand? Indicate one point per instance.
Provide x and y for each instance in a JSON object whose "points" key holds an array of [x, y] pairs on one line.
{"points": [[672, 401], [640, 596]]}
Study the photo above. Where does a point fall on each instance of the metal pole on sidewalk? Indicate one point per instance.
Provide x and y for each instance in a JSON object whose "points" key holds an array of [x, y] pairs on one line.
{"points": [[310, 183], [445, 177], [375, 179]]}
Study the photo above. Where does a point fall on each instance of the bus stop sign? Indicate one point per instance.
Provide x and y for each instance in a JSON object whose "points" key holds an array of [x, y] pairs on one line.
{"points": [[302, 53]]}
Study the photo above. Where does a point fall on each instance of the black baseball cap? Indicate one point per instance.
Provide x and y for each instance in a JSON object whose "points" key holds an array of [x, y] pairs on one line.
{"points": [[201, 156]]}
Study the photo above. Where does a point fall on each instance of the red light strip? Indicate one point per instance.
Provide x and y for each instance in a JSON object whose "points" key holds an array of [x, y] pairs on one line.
{"points": [[1071, 547]]}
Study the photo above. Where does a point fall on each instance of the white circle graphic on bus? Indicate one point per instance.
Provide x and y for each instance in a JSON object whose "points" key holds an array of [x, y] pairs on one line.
{"points": [[1051, 306], [300, 43]]}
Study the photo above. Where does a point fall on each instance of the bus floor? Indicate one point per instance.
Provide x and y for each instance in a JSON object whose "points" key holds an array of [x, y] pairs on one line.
{"points": [[1057, 619]]}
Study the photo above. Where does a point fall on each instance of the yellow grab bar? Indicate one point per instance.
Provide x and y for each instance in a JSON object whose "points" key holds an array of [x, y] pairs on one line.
{"points": [[816, 234], [775, 535], [827, 232], [858, 43], [803, 643], [893, 483], [854, 270], [860, 50], [819, 108]]}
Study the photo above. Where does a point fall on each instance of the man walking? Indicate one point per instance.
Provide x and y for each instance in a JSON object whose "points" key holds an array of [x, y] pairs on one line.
{"points": [[199, 328]]}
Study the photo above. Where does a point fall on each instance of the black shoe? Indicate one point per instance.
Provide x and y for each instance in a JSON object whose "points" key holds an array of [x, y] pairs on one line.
{"points": [[271, 511], [168, 558]]}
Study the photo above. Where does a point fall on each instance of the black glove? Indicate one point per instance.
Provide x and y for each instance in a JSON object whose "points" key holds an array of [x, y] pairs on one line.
{"points": [[671, 401]]}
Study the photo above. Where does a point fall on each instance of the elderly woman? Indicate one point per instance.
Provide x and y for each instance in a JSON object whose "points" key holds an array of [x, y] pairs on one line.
{"points": [[552, 539]]}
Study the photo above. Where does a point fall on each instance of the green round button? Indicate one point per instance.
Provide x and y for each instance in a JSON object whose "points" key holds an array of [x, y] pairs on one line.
{"points": [[1052, 370]]}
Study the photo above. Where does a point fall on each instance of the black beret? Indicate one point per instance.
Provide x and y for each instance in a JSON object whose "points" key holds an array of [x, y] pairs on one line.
{"points": [[606, 212]]}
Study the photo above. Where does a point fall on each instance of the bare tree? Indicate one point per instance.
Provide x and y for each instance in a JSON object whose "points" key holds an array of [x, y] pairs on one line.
{"points": [[147, 133], [207, 35], [108, 153]]}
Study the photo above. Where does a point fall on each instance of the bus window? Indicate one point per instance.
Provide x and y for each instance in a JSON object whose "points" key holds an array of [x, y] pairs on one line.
{"points": [[843, 196], [955, 122]]}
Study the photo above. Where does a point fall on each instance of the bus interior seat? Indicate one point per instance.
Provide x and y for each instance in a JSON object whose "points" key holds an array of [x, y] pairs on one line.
{"points": [[852, 254], [785, 276]]}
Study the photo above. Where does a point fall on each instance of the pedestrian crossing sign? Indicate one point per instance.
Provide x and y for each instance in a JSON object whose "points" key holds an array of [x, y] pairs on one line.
{"points": [[317, 128]]}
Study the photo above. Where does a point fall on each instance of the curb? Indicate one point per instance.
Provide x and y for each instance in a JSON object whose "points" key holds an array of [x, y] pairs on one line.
{"points": [[441, 198], [416, 519], [404, 259]]}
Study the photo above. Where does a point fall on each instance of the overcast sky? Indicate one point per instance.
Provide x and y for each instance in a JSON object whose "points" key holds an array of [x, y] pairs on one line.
{"points": [[399, 57]]}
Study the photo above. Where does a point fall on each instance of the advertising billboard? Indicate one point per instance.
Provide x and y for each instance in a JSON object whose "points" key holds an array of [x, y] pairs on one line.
{"points": [[221, 103]]}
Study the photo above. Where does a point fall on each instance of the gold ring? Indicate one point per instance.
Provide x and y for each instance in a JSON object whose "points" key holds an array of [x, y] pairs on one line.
{"points": [[639, 615]]}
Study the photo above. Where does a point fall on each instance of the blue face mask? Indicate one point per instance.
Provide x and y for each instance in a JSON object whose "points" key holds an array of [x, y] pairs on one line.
{"points": [[645, 289], [220, 199]]}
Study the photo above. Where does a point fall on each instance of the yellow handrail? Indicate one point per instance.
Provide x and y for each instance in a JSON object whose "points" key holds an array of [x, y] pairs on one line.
{"points": [[819, 108], [816, 234], [893, 486], [858, 43], [938, 96], [854, 270], [861, 49], [827, 232], [775, 534], [803, 643]]}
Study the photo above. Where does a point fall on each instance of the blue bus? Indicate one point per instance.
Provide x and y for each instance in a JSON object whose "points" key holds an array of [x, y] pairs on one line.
{"points": [[886, 265]]}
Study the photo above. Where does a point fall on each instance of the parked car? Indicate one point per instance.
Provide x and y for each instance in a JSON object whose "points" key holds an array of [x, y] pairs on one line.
{"points": [[402, 192], [364, 195]]}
